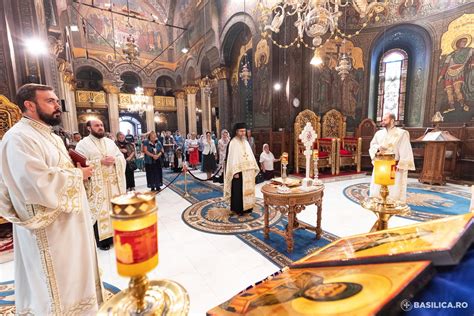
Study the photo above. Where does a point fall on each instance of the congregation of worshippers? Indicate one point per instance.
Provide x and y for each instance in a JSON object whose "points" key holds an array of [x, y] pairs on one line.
{"points": [[251, 157]]}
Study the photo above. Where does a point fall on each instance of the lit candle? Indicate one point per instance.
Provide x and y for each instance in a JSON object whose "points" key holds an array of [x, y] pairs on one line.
{"points": [[315, 154], [284, 158], [134, 219], [384, 169]]}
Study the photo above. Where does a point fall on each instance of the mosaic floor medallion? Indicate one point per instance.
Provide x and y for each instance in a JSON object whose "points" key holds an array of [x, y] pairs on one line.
{"points": [[214, 216]]}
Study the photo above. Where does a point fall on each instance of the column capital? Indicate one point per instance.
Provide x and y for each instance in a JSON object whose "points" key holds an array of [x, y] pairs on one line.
{"points": [[221, 73], [111, 89], [191, 89], [149, 91], [180, 94], [206, 82]]}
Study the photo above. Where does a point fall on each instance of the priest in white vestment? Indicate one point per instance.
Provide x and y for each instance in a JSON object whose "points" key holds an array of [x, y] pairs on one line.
{"points": [[240, 171], [43, 195], [391, 139], [107, 181]]}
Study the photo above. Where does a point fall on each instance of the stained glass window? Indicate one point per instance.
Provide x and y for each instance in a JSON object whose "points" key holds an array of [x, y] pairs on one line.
{"points": [[392, 84]]}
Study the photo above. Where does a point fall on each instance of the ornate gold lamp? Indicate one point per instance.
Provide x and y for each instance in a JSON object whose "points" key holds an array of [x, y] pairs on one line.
{"points": [[383, 207], [134, 219], [284, 163]]}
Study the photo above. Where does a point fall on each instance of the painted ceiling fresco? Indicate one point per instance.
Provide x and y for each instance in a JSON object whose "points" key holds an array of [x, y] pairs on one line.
{"points": [[98, 29]]}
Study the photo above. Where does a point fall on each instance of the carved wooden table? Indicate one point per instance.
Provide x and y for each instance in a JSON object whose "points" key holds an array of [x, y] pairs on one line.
{"points": [[291, 204]]}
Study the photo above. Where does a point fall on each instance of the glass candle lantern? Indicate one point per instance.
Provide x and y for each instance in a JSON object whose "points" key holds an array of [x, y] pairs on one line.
{"points": [[284, 158], [315, 154], [134, 219], [384, 169]]}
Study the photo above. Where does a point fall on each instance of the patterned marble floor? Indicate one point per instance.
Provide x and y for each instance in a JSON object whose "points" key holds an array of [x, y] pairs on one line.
{"points": [[215, 267]]}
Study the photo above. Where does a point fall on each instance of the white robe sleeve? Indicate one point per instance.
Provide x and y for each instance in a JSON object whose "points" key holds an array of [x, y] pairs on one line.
{"points": [[120, 165], [374, 146], [406, 161], [45, 190], [82, 147]]}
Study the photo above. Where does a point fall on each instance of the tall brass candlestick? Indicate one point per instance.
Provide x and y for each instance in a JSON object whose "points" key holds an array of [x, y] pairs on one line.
{"points": [[316, 181], [134, 219]]}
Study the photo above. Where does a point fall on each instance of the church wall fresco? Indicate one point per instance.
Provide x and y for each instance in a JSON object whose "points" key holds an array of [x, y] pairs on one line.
{"points": [[321, 88], [455, 84], [100, 30], [327, 89]]}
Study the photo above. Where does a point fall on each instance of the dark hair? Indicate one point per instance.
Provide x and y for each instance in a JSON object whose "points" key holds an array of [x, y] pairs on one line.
{"points": [[76, 133], [27, 92], [149, 134], [89, 123]]}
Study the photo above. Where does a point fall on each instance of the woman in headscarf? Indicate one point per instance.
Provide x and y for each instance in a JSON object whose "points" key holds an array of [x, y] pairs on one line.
{"points": [[221, 150]]}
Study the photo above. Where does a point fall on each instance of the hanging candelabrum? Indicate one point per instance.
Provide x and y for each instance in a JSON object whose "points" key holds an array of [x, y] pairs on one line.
{"points": [[139, 102], [316, 181], [245, 73], [313, 19], [130, 49], [134, 219], [344, 63]]}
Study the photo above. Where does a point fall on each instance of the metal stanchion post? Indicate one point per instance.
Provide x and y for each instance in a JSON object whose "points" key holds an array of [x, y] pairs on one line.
{"points": [[185, 170]]}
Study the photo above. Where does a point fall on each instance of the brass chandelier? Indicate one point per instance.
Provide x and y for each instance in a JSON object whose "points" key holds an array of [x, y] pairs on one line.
{"points": [[313, 19]]}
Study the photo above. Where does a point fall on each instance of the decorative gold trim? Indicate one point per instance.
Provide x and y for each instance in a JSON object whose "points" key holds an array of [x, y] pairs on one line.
{"points": [[9, 114], [333, 124], [86, 98], [180, 94], [221, 73], [162, 103], [48, 269], [191, 89], [110, 88], [301, 119], [334, 152], [359, 154], [83, 306]]}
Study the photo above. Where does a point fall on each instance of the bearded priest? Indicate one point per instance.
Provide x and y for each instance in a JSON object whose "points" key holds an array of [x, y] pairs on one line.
{"points": [[107, 181], [240, 171], [42, 194], [392, 139]]}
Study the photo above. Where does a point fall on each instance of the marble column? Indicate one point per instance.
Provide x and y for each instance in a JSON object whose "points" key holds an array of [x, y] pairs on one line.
{"points": [[224, 103], [150, 114], [191, 91], [113, 100], [181, 111], [205, 85], [66, 92], [69, 117]]}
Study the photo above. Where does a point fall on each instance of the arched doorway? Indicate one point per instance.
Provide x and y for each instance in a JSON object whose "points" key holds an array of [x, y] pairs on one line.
{"points": [[128, 122]]}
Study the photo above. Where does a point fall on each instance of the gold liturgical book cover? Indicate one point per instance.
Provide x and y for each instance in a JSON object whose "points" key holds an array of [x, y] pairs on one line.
{"points": [[443, 241], [351, 290]]}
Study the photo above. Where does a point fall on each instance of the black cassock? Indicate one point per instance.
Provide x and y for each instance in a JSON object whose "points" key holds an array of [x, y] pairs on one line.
{"points": [[237, 192], [236, 196]]}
